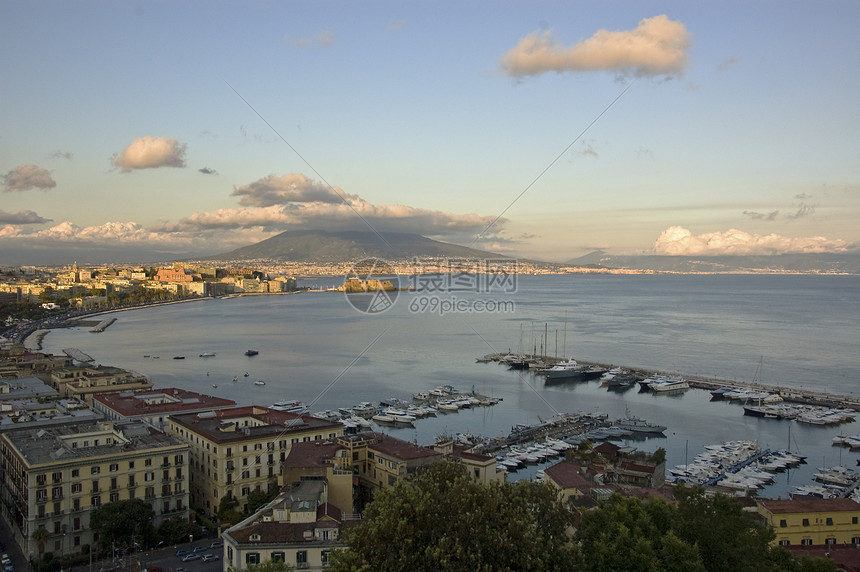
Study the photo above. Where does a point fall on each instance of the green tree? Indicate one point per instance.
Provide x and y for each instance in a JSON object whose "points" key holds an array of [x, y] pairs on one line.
{"points": [[266, 566], [443, 520], [258, 498], [40, 535], [176, 530], [120, 523], [227, 511], [728, 537]]}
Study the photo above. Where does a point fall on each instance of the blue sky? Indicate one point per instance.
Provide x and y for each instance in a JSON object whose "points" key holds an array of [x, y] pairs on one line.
{"points": [[198, 127]]}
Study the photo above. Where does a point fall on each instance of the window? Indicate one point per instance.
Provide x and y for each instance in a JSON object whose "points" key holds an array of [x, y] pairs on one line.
{"points": [[806, 542], [131, 480], [76, 487], [57, 493], [278, 557], [41, 480], [783, 523], [113, 485], [57, 477], [76, 473], [76, 505], [96, 501], [855, 540], [149, 477], [95, 488], [853, 520], [252, 558], [829, 521], [95, 470], [114, 497], [301, 556], [114, 467], [805, 522], [829, 541], [147, 463], [76, 524], [131, 464]]}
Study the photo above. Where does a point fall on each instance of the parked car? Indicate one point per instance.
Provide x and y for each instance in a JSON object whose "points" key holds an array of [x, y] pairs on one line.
{"points": [[181, 552], [210, 557], [199, 549], [190, 557], [216, 544]]}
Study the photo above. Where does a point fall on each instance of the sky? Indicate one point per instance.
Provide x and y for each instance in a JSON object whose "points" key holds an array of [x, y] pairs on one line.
{"points": [[538, 129]]}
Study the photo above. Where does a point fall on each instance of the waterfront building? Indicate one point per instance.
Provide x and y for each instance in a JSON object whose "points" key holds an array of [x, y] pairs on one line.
{"points": [[570, 480], [812, 521], [84, 382], [237, 450], [326, 462], [155, 405], [53, 477], [481, 468], [300, 528], [380, 460]]}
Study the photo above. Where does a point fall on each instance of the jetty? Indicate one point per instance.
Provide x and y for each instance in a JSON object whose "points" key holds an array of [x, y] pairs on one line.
{"points": [[537, 363], [102, 326], [77, 355]]}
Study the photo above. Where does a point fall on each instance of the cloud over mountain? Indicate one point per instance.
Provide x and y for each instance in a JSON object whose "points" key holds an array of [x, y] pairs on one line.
{"points": [[150, 153], [656, 47], [28, 176], [677, 240]]}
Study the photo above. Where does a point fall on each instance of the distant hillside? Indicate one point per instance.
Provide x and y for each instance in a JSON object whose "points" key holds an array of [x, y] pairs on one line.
{"points": [[331, 247], [848, 263]]}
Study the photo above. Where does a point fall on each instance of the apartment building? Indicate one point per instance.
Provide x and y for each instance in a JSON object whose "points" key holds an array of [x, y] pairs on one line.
{"points": [[380, 460], [812, 521], [237, 450], [155, 405], [83, 382], [54, 477]]}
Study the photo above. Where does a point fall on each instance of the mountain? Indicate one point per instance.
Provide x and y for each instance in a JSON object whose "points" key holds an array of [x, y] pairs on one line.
{"points": [[346, 246], [845, 262]]}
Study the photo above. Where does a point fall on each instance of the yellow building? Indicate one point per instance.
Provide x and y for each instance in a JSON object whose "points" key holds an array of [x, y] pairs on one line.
{"points": [[811, 522], [237, 450], [55, 476], [380, 460]]}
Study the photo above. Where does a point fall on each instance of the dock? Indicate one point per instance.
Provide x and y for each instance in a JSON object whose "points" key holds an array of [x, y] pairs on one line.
{"points": [[77, 355], [805, 396], [102, 326]]}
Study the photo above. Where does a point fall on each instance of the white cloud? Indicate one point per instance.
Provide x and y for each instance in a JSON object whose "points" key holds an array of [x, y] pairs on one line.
{"points": [[26, 177], [658, 46], [150, 153], [679, 241]]}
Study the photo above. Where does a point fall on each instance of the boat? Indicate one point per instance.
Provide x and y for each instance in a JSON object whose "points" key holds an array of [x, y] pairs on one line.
{"points": [[638, 425], [568, 370], [666, 384], [247, 373], [399, 415], [259, 382], [250, 353], [178, 357], [289, 406], [383, 418], [207, 354]]}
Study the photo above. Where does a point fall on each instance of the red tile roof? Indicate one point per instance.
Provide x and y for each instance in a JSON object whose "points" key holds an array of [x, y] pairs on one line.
{"points": [[786, 506]]}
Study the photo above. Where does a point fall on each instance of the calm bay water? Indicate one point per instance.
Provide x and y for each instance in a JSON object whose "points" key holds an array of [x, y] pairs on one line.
{"points": [[796, 331]]}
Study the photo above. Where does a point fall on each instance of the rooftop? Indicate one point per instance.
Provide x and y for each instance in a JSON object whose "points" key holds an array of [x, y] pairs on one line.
{"points": [[253, 421], [160, 401]]}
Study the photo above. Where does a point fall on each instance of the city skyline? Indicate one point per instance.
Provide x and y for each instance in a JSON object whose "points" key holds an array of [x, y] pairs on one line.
{"points": [[538, 130]]}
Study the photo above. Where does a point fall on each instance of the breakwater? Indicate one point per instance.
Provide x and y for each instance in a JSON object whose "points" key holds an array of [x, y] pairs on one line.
{"points": [[538, 363]]}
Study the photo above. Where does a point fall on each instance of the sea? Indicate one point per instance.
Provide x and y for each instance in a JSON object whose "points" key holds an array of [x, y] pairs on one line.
{"points": [[331, 350]]}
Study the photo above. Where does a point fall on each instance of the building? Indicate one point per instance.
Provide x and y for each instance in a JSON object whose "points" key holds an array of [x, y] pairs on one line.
{"points": [[812, 521], [380, 460], [482, 468], [237, 450], [154, 405], [300, 527], [55, 476], [327, 462], [570, 479], [84, 382]]}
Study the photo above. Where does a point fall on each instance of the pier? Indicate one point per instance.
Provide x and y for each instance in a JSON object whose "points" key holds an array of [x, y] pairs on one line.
{"points": [[537, 363], [77, 355], [102, 326]]}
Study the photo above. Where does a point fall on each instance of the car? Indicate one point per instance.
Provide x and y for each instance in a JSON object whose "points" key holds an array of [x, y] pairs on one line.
{"points": [[181, 552], [190, 557], [210, 557], [216, 544], [199, 549]]}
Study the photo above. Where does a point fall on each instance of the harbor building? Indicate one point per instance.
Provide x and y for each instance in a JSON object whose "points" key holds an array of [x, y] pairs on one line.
{"points": [[155, 405], [380, 460], [237, 450], [812, 521], [300, 528], [54, 477]]}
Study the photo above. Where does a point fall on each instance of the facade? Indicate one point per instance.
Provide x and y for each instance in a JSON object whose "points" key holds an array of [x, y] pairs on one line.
{"points": [[299, 528], [482, 468], [153, 406], [812, 522], [237, 450], [53, 477], [325, 462], [569, 478]]}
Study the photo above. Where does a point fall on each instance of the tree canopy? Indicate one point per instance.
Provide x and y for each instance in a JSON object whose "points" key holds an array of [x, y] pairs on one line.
{"points": [[119, 523], [443, 520]]}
